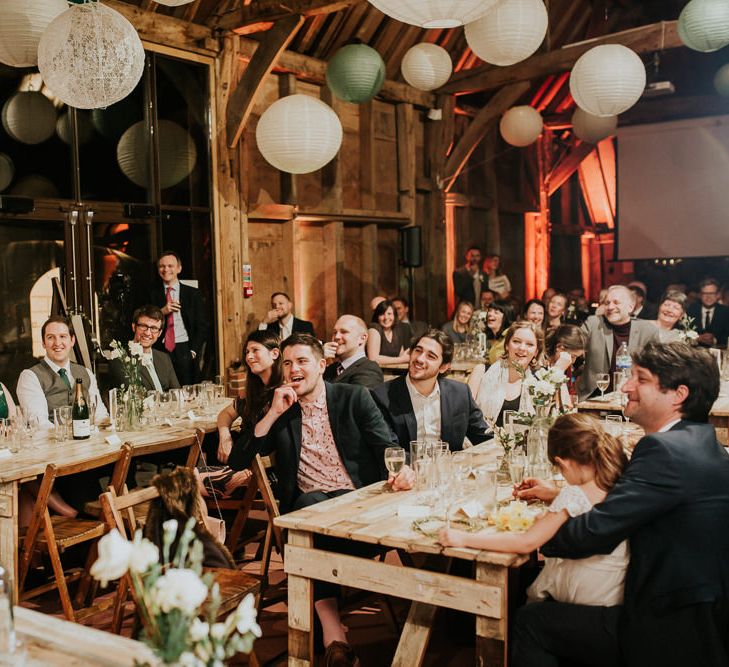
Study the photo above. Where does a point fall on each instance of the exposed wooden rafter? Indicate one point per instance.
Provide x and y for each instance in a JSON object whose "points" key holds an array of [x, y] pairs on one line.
{"points": [[262, 62], [478, 128], [274, 10], [567, 166], [654, 37]]}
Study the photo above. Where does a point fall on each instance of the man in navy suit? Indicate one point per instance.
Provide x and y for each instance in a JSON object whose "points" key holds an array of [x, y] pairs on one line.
{"points": [[672, 505], [280, 319], [711, 319], [424, 405], [186, 325]]}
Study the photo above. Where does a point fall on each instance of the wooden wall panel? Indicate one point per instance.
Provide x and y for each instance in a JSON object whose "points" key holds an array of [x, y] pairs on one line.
{"points": [[263, 179], [268, 261], [314, 274], [388, 269], [354, 291], [386, 195], [349, 155]]}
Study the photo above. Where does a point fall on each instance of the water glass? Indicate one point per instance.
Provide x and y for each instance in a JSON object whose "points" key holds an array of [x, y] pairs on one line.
{"points": [[62, 423], [423, 470], [541, 470], [113, 407], [420, 449], [92, 402], [152, 406], [517, 468], [487, 485]]}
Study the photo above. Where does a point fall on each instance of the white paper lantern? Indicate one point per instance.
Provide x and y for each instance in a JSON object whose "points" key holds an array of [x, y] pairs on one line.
{"points": [[521, 126], [84, 127], [29, 117], [177, 154], [37, 186], [7, 171], [435, 13], [91, 56], [299, 134], [607, 80], [23, 22], [593, 129], [509, 33], [426, 66], [173, 3], [703, 25], [721, 80]]}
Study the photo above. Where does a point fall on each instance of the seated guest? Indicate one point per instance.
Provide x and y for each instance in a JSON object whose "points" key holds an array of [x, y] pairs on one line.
{"points": [[280, 319], [157, 370], [564, 348], [7, 404], [488, 298], [710, 317], [402, 309], [51, 384], [556, 309], [643, 309], [497, 322], [497, 281], [388, 340], [376, 301], [460, 326], [262, 355], [424, 405], [606, 333], [534, 311], [672, 505], [670, 312], [347, 349], [329, 439], [501, 387]]}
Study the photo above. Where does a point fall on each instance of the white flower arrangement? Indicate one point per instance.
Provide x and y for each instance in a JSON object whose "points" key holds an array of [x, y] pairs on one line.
{"points": [[516, 517], [130, 357], [687, 333], [544, 383], [173, 598]]}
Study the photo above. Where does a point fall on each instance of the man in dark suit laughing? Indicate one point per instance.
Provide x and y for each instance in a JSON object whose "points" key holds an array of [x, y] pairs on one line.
{"points": [[347, 348]]}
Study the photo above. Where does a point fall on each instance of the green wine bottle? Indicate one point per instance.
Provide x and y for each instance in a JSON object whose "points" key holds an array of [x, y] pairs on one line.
{"points": [[80, 414]]}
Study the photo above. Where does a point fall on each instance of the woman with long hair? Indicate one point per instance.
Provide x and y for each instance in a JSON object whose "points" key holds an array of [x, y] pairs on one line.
{"points": [[498, 320], [388, 341], [535, 311], [460, 326], [671, 310], [501, 387], [556, 309]]}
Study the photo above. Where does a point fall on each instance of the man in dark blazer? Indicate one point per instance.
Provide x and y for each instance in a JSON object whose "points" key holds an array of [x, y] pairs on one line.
{"points": [[423, 405], [347, 349], [280, 319], [329, 439], [186, 325], [711, 318], [469, 281], [672, 505], [157, 371]]}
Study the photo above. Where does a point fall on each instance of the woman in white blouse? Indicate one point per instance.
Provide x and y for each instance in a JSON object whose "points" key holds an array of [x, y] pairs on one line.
{"points": [[670, 311], [500, 387]]}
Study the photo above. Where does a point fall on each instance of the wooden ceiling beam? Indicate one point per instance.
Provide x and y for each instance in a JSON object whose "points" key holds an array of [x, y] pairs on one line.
{"points": [[654, 37], [244, 95], [273, 10], [479, 126], [314, 70], [568, 166]]}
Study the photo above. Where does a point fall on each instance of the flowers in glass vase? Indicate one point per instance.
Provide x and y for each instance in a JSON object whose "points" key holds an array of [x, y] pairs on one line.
{"points": [[130, 358], [177, 603], [544, 384], [687, 333]]}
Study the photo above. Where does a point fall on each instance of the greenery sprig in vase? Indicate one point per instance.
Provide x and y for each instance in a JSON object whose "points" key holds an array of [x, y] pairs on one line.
{"points": [[131, 393]]}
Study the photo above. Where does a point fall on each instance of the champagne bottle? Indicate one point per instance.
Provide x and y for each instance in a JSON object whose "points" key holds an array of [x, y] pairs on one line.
{"points": [[80, 414]]}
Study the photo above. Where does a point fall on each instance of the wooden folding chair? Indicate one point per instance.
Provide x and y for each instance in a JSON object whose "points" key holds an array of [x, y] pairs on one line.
{"points": [[119, 513], [55, 534]]}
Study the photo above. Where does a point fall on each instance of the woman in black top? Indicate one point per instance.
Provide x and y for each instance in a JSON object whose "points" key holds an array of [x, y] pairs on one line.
{"points": [[388, 341]]}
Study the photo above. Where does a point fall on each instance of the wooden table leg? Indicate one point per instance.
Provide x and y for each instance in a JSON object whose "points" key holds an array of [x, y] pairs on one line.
{"points": [[9, 532], [301, 609], [415, 635], [491, 644]]}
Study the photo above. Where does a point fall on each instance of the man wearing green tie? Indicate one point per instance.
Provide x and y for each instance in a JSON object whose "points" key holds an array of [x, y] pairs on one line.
{"points": [[50, 383]]}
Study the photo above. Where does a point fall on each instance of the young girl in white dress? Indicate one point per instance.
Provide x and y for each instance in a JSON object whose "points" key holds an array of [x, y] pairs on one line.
{"points": [[591, 462]]}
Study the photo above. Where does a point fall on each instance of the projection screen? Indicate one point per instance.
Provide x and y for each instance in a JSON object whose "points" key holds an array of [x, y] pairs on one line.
{"points": [[673, 189]]}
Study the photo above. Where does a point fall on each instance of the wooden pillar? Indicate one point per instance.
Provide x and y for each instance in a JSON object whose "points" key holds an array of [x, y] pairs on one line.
{"points": [[367, 155], [491, 190], [369, 265], [537, 226]]}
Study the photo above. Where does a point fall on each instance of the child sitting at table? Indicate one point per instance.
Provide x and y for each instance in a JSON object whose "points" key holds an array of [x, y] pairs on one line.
{"points": [[591, 461]]}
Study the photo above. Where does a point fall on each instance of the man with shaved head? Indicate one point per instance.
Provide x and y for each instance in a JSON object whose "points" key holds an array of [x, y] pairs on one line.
{"points": [[347, 348], [605, 333]]}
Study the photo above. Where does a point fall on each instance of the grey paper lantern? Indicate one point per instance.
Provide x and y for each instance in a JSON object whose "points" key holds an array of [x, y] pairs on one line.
{"points": [[83, 126], [91, 56], [177, 154], [29, 117], [7, 171], [22, 24], [37, 186]]}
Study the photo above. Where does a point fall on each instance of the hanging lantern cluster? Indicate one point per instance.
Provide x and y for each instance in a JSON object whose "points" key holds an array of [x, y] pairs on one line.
{"points": [[521, 126], [509, 33], [23, 23], [90, 56], [435, 13], [426, 66]]}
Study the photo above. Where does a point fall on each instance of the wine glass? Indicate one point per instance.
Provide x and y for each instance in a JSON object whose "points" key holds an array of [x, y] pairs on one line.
{"points": [[517, 464], [394, 459], [603, 382]]}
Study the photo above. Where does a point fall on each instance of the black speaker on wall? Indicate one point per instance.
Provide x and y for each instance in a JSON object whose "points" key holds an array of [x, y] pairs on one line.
{"points": [[411, 247]]}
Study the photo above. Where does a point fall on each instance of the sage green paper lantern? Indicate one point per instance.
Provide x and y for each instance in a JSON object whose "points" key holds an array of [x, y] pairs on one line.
{"points": [[356, 73]]}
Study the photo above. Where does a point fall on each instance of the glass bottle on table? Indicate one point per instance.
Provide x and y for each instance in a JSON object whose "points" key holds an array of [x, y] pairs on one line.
{"points": [[80, 414]]}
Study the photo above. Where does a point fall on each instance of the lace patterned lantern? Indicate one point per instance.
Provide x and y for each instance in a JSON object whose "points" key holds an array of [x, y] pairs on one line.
{"points": [[435, 13], [607, 80], [7, 171], [703, 25], [23, 23], [177, 154], [426, 66], [509, 33], [521, 126], [84, 128], [90, 56], [299, 134], [29, 117], [593, 129]]}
